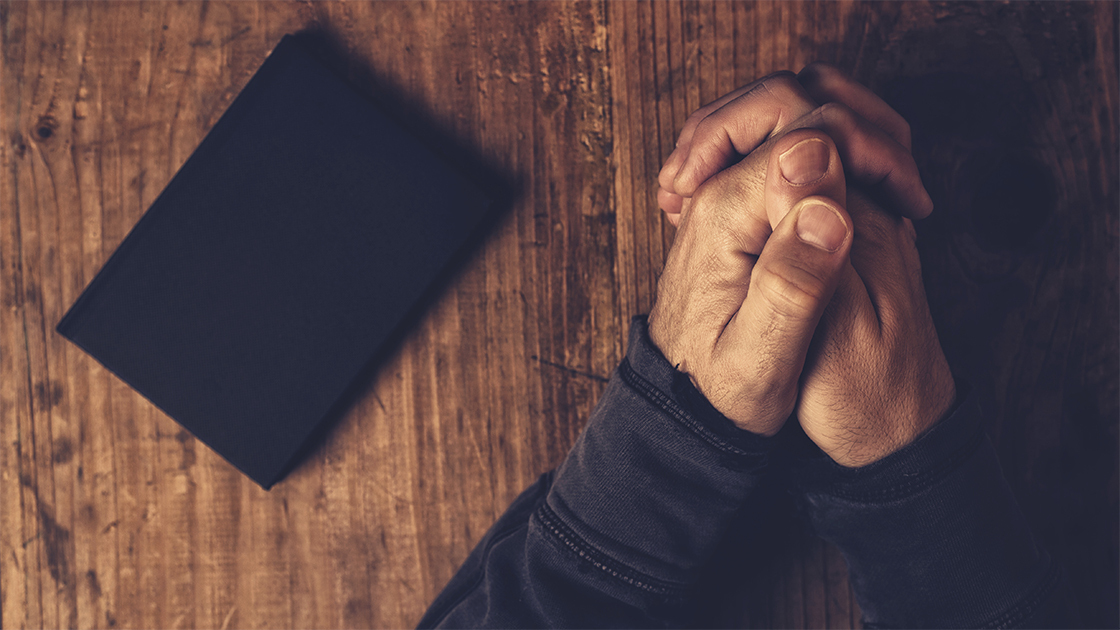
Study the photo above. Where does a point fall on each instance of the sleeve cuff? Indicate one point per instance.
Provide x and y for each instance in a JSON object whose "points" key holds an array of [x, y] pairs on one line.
{"points": [[909, 470], [932, 533], [647, 362], [655, 479]]}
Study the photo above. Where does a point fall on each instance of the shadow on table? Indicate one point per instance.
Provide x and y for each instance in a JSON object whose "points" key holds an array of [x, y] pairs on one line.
{"points": [[417, 118]]}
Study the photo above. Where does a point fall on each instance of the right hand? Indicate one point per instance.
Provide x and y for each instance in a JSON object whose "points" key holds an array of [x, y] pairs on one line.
{"points": [[876, 377]]}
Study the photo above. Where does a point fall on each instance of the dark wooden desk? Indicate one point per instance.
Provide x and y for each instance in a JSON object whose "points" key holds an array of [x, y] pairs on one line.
{"points": [[112, 516]]}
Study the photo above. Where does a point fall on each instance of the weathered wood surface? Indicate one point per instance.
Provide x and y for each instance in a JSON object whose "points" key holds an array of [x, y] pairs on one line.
{"points": [[111, 516]]}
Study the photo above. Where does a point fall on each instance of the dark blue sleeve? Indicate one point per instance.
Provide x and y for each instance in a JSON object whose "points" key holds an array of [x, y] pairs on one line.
{"points": [[933, 536], [618, 534]]}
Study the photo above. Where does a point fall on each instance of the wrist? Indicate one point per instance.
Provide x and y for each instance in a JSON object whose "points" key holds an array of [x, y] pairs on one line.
{"points": [[743, 407], [901, 422], [942, 499]]}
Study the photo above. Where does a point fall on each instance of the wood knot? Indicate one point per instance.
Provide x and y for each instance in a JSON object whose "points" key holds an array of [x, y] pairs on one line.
{"points": [[45, 128]]}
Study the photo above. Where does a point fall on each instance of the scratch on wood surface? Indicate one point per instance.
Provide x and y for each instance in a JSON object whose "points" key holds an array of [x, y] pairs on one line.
{"points": [[477, 448], [229, 618], [226, 40], [560, 366]]}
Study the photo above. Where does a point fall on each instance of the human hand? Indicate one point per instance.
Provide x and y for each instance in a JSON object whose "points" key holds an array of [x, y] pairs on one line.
{"points": [[873, 139], [740, 325], [876, 376]]}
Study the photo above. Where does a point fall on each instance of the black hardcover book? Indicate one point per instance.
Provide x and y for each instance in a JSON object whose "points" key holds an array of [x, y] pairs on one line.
{"points": [[278, 260]]}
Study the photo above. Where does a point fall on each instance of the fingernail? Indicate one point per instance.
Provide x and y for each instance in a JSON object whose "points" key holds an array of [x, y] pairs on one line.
{"points": [[822, 227], [806, 162]]}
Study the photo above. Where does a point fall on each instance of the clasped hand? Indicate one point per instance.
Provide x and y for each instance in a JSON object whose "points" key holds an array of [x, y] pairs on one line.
{"points": [[794, 288]]}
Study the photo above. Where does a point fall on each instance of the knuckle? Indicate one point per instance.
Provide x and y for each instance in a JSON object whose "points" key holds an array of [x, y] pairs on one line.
{"points": [[721, 205], [665, 178], [702, 161], [904, 127], [785, 86], [821, 67], [696, 116], [780, 78], [703, 199], [838, 114], [818, 73], [705, 128], [906, 133], [704, 202], [812, 69], [694, 119], [791, 292]]}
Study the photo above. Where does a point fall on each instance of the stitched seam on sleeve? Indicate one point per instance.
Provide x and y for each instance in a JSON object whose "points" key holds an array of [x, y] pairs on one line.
{"points": [[480, 575], [654, 395], [580, 547], [498, 536], [914, 484], [1030, 603]]}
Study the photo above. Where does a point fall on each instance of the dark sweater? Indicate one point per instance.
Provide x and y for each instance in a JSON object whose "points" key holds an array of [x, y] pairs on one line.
{"points": [[619, 534]]}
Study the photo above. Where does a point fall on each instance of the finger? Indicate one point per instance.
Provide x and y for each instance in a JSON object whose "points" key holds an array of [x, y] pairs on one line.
{"points": [[727, 133], [676, 158], [872, 159], [686, 203], [740, 205], [802, 158], [881, 280], [790, 286], [668, 202], [730, 204], [676, 219], [826, 84], [673, 219], [885, 257]]}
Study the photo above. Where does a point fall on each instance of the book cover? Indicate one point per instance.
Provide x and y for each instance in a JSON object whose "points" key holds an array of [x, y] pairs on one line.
{"points": [[276, 263]]}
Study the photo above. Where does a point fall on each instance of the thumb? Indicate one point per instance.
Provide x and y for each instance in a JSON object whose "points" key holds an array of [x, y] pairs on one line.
{"points": [[791, 283]]}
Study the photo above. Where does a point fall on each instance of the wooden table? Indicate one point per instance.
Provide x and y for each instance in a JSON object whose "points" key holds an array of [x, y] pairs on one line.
{"points": [[112, 516]]}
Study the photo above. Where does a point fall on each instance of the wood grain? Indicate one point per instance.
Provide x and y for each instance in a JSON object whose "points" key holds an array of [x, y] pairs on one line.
{"points": [[112, 516]]}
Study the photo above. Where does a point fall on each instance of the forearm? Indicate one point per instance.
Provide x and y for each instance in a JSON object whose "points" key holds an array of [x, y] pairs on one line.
{"points": [[618, 534], [933, 536]]}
